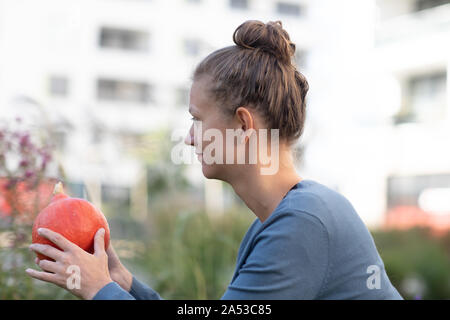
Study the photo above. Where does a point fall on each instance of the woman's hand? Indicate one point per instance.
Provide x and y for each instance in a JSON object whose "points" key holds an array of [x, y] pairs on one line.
{"points": [[117, 270], [81, 273]]}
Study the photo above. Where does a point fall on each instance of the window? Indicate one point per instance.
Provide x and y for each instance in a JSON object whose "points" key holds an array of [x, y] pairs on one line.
{"points": [[427, 4], [59, 86], [301, 57], [116, 197], [123, 91], [76, 189], [239, 4], [182, 96], [406, 190], [116, 38], [192, 47], [287, 8], [424, 98], [128, 139], [419, 201], [98, 132], [59, 139]]}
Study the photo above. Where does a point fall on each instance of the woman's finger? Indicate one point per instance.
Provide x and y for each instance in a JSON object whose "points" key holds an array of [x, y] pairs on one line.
{"points": [[57, 239], [47, 250], [110, 251], [99, 242], [49, 266], [42, 275]]}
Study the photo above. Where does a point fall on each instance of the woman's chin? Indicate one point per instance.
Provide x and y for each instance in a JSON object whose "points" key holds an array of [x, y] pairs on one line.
{"points": [[212, 171], [208, 171]]}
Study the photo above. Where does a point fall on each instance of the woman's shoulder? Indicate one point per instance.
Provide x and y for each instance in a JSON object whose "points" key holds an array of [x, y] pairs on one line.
{"points": [[310, 195], [313, 206], [315, 201]]}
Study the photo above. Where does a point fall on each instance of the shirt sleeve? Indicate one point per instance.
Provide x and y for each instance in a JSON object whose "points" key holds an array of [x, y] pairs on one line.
{"points": [[138, 291], [141, 291], [288, 260], [112, 291]]}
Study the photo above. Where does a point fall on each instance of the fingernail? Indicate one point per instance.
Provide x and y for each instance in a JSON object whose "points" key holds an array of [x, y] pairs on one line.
{"points": [[40, 230]]}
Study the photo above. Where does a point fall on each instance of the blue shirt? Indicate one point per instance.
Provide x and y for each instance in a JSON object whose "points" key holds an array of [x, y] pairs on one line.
{"points": [[313, 246]]}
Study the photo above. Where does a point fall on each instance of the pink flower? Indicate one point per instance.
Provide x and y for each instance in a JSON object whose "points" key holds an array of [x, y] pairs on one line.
{"points": [[29, 174], [24, 163], [11, 183], [24, 141]]}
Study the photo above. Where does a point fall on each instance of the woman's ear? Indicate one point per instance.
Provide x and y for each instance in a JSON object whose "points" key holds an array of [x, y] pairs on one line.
{"points": [[245, 118]]}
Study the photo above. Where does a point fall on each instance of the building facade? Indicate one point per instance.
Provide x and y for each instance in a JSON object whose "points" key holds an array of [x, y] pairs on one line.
{"points": [[101, 74]]}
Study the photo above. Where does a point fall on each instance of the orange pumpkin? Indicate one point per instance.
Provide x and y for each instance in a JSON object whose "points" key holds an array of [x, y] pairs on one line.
{"points": [[75, 219]]}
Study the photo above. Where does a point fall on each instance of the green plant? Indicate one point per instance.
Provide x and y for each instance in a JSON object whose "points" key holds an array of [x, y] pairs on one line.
{"points": [[191, 255], [23, 164], [419, 257]]}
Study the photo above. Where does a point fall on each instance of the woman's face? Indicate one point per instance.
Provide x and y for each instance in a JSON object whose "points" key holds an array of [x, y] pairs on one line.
{"points": [[208, 132]]}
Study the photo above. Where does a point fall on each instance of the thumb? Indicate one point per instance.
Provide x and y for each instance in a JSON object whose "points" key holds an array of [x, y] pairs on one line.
{"points": [[99, 242]]}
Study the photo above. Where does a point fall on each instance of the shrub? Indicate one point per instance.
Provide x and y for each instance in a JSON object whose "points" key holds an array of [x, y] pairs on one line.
{"points": [[417, 262]]}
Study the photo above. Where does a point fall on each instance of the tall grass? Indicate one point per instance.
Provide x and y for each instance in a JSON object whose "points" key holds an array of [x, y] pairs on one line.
{"points": [[191, 255]]}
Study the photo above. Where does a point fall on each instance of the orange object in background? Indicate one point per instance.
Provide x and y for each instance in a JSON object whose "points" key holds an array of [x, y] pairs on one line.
{"points": [[406, 217], [24, 201]]}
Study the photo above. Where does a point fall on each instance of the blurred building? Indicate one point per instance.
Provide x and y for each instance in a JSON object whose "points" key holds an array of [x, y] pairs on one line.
{"points": [[380, 133], [412, 48], [102, 73]]}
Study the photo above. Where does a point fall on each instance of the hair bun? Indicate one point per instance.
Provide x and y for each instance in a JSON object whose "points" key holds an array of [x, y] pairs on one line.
{"points": [[268, 37]]}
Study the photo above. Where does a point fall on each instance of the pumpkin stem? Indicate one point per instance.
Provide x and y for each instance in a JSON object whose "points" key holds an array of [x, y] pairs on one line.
{"points": [[58, 188]]}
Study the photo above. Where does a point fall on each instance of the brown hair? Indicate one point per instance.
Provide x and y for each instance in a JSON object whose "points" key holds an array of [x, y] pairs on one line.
{"points": [[259, 72]]}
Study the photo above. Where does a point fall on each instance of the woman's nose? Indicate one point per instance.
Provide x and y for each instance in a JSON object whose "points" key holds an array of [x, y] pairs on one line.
{"points": [[189, 140]]}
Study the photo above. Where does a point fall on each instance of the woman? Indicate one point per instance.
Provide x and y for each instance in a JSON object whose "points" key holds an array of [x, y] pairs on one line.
{"points": [[307, 241]]}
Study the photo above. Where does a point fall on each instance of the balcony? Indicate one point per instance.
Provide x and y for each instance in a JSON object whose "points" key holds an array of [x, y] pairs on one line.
{"points": [[413, 25]]}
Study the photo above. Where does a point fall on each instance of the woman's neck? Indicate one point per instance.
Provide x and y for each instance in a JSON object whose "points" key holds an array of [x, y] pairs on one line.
{"points": [[263, 193]]}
